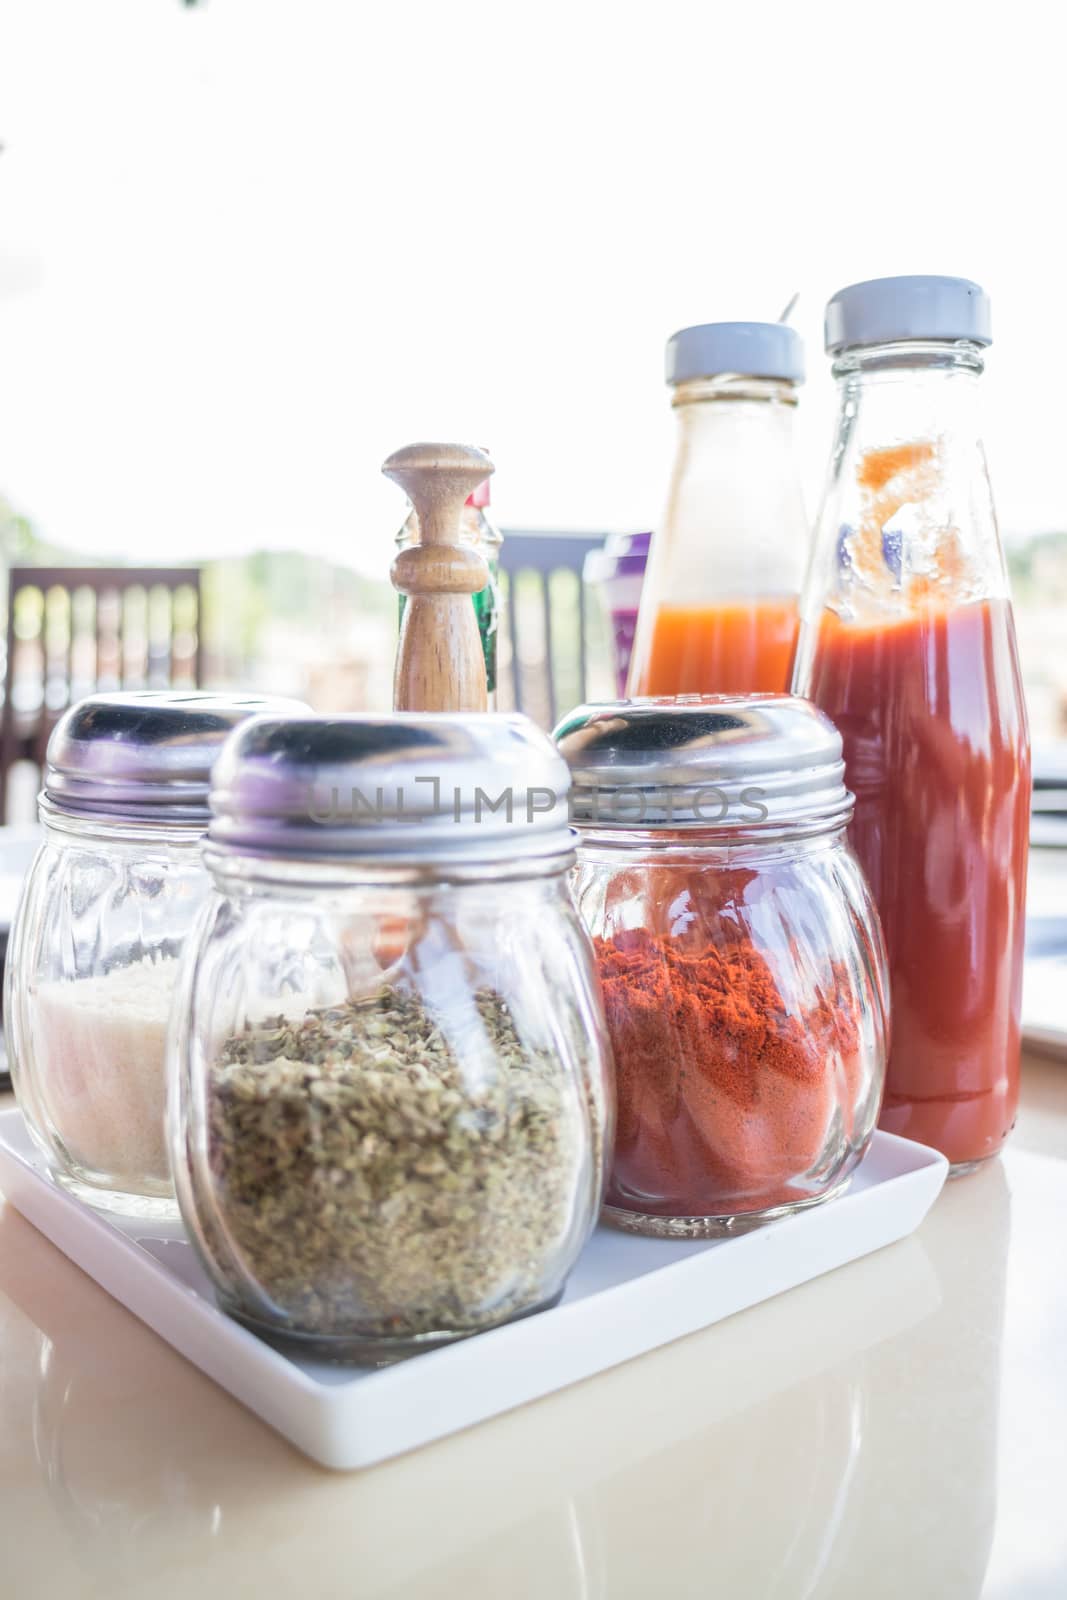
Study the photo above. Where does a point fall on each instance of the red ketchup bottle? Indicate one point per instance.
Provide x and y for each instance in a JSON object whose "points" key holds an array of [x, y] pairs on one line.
{"points": [[907, 642]]}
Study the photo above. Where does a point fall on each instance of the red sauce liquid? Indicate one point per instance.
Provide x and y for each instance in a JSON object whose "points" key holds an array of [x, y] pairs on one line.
{"points": [[937, 753]]}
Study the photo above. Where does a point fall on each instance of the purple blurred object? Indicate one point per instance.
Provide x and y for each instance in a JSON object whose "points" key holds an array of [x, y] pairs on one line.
{"points": [[617, 571], [893, 552], [844, 556]]}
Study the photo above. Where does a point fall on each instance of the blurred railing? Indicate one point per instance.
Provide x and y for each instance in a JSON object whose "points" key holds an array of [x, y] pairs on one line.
{"points": [[73, 630], [278, 624], [553, 649]]}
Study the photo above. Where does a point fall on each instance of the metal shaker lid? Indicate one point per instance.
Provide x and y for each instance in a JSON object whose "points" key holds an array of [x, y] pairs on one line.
{"points": [[720, 764], [411, 787], [145, 755]]}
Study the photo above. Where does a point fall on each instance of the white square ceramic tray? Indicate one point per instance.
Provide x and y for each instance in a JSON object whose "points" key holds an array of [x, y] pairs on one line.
{"points": [[626, 1295]]}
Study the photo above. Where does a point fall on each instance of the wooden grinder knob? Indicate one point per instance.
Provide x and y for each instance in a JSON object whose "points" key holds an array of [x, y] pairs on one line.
{"points": [[439, 664]]}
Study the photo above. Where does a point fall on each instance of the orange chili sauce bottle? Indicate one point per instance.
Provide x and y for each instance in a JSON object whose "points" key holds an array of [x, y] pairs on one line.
{"points": [[718, 610]]}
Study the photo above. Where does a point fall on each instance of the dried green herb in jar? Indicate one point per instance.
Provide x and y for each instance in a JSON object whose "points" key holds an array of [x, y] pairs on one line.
{"points": [[383, 1171]]}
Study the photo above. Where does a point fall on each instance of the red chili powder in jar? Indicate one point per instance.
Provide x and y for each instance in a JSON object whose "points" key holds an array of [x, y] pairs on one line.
{"points": [[724, 1096]]}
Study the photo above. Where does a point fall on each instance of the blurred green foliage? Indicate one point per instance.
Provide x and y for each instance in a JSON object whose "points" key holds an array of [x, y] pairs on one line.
{"points": [[242, 595], [1037, 567]]}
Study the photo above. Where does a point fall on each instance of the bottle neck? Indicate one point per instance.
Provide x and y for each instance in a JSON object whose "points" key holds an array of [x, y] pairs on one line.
{"points": [[729, 389], [913, 390], [907, 519], [912, 356], [734, 514]]}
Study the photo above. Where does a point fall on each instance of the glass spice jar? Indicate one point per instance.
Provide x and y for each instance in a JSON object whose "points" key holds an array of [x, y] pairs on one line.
{"points": [[739, 952], [392, 1095], [93, 955]]}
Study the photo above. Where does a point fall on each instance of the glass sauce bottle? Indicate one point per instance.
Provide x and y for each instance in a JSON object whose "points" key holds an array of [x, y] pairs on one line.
{"points": [[908, 643], [719, 607]]}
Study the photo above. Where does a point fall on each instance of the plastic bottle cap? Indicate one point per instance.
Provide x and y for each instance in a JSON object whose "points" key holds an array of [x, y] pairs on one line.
{"points": [[750, 349], [884, 310]]}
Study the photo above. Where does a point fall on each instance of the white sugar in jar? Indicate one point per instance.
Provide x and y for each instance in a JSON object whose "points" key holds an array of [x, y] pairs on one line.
{"points": [[94, 953]]}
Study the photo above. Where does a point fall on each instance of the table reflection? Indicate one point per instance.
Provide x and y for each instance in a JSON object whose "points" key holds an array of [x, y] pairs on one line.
{"points": [[845, 1431], [130, 1444], [880, 1472]]}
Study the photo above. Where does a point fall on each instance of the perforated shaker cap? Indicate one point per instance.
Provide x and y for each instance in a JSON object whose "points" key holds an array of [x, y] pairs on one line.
{"points": [[146, 755], [750, 349], [412, 788], [885, 310], [712, 764]]}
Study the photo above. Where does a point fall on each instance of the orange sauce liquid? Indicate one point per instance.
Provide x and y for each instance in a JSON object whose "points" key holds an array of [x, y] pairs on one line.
{"points": [[738, 648], [937, 754]]}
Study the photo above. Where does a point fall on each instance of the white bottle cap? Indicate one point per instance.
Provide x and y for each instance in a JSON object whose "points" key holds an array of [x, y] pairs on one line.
{"points": [[750, 349], [884, 310]]}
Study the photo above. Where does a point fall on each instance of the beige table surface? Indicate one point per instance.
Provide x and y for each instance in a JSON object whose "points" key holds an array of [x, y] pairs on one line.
{"points": [[898, 1428]]}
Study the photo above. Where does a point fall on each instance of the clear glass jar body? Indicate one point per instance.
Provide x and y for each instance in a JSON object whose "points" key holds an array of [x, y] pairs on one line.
{"points": [[908, 644], [744, 989], [477, 531], [91, 971], [391, 1100], [718, 610]]}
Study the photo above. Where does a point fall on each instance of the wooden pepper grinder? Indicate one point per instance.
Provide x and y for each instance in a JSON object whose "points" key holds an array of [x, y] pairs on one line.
{"points": [[439, 664]]}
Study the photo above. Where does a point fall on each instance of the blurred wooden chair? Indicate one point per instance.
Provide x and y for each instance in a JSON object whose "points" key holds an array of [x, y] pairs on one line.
{"points": [[74, 630], [554, 632]]}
